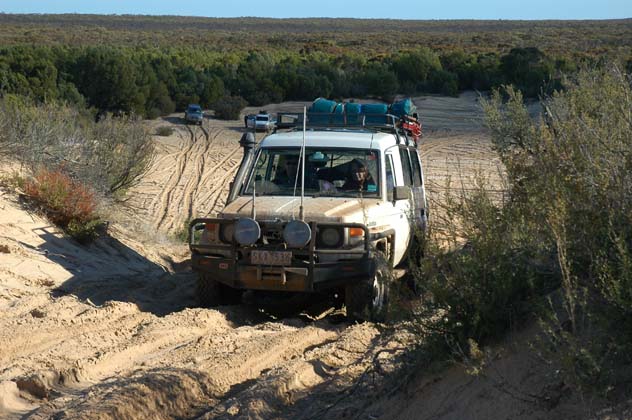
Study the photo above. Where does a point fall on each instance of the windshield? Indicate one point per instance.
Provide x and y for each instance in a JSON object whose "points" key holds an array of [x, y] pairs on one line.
{"points": [[329, 172], [193, 108], [262, 118]]}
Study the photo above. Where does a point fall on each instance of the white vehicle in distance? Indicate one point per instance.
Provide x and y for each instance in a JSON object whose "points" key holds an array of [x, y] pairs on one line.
{"points": [[329, 218], [261, 122]]}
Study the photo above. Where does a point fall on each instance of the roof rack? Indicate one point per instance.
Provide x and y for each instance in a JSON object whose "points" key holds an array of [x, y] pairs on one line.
{"points": [[405, 127]]}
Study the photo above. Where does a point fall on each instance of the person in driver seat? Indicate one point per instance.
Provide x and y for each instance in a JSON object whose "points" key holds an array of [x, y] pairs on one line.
{"points": [[358, 178], [289, 170]]}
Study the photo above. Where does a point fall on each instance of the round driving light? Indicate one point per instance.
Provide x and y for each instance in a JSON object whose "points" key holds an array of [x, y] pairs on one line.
{"points": [[331, 237], [226, 233], [247, 231], [297, 234]]}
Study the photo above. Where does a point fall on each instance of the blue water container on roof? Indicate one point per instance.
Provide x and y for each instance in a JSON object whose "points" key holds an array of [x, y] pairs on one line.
{"points": [[339, 113], [321, 106], [353, 111], [353, 108], [403, 107], [375, 113]]}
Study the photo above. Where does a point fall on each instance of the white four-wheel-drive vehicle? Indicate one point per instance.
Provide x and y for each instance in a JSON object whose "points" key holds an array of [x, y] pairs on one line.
{"points": [[260, 122], [328, 208]]}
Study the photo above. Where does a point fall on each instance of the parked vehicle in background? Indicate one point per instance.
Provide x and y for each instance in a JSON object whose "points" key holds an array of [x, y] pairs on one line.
{"points": [[249, 120], [332, 218], [261, 122], [193, 114]]}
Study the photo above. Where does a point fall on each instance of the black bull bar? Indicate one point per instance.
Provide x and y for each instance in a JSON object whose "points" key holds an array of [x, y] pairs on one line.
{"points": [[229, 262]]}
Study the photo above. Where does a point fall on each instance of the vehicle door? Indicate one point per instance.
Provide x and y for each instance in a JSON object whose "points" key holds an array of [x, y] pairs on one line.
{"points": [[399, 165], [420, 205]]}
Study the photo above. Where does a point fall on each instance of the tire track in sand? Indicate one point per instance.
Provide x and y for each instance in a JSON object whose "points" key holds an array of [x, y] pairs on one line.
{"points": [[193, 183], [202, 365], [166, 197], [227, 167], [217, 193]]}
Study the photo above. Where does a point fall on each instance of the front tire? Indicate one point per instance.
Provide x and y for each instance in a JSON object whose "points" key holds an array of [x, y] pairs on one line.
{"points": [[212, 293], [368, 300]]}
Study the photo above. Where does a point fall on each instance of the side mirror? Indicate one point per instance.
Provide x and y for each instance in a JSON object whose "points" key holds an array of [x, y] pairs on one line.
{"points": [[401, 192]]}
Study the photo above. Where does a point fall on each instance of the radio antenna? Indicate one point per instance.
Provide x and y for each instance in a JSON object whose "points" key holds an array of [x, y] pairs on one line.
{"points": [[253, 212], [300, 212]]}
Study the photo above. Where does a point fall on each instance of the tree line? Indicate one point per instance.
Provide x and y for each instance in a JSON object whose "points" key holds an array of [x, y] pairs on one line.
{"points": [[156, 81], [332, 36]]}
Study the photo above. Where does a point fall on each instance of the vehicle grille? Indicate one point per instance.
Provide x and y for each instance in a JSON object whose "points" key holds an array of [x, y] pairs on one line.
{"points": [[272, 234]]}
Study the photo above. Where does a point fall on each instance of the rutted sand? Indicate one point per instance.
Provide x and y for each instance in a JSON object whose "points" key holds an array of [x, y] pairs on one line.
{"points": [[112, 330]]}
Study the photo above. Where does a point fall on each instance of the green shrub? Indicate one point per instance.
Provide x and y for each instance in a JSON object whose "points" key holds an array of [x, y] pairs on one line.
{"points": [[87, 232], [562, 234], [164, 131], [14, 181], [527, 68], [444, 82], [229, 107], [485, 286], [571, 172], [110, 155], [119, 151]]}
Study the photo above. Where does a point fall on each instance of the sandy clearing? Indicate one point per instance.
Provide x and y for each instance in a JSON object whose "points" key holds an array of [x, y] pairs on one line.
{"points": [[112, 331]]}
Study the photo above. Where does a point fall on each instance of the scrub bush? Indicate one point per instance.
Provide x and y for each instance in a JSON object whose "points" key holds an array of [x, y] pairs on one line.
{"points": [[66, 202], [558, 246]]}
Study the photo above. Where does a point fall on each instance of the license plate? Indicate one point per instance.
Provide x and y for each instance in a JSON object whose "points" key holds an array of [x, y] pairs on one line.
{"points": [[271, 257]]}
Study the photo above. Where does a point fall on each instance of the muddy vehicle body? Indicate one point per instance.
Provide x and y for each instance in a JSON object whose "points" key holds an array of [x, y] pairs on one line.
{"points": [[331, 217]]}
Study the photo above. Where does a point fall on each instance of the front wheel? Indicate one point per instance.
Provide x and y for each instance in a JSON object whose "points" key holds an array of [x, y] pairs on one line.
{"points": [[368, 299], [212, 293]]}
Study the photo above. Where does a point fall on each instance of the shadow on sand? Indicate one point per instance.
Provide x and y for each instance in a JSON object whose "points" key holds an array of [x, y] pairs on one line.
{"points": [[107, 270]]}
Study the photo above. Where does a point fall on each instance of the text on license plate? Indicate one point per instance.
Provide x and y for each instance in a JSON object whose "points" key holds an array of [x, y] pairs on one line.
{"points": [[271, 257]]}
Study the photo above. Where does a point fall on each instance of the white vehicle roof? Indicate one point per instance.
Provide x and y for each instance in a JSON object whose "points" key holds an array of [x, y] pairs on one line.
{"points": [[360, 139]]}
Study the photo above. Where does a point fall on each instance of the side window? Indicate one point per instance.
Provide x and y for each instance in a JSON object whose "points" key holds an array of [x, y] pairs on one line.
{"points": [[414, 158], [406, 169], [390, 176]]}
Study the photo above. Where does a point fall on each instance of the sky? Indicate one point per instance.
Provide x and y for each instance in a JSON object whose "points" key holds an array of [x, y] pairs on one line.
{"points": [[402, 9]]}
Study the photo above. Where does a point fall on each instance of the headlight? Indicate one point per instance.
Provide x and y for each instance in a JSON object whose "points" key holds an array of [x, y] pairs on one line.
{"points": [[355, 236], [297, 234], [247, 231], [330, 237], [226, 233], [209, 234]]}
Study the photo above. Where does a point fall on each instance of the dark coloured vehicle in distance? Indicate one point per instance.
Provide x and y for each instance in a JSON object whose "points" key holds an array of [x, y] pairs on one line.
{"points": [[194, 114]]}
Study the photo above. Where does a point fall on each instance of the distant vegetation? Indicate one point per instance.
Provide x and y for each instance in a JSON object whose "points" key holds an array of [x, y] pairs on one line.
{"points": [[155, 65], [330, 36]]}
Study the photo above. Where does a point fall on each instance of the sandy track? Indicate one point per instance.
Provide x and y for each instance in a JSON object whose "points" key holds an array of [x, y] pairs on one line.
{"points": [[112, 331], [186, 180], [455, 164]]}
